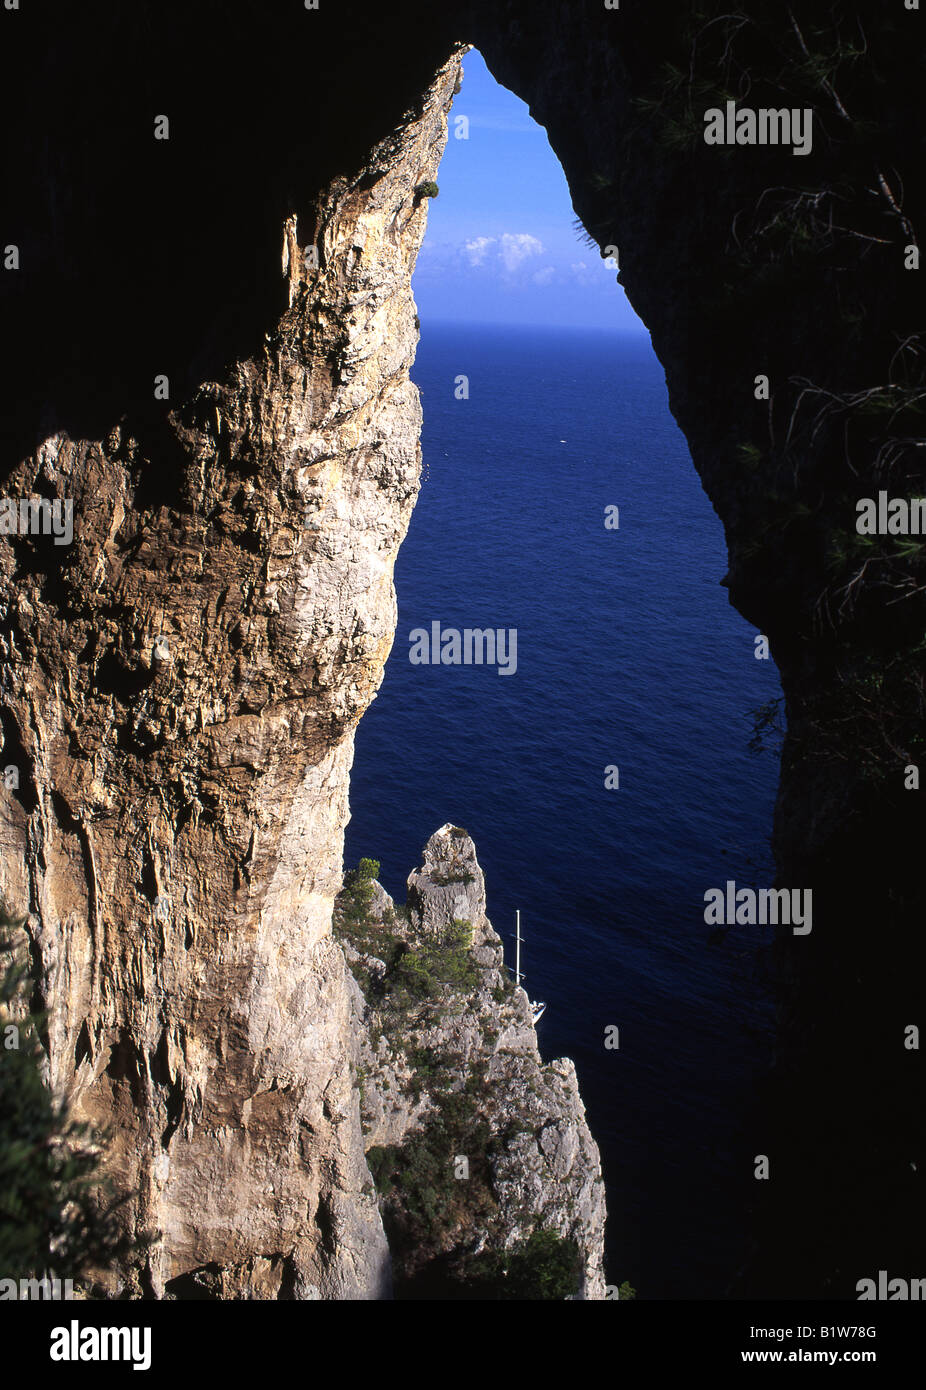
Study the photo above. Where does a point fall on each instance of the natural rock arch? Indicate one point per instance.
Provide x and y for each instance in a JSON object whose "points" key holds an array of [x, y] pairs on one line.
{"points": [[162, 801]]}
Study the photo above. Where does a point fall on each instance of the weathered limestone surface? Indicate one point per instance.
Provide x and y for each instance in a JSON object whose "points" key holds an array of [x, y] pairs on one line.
{"points": [[545, 1170], [180, 699]]}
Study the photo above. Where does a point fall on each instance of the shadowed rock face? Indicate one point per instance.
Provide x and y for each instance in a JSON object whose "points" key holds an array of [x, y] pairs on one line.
{"points": [[748, 261], [179, 687]]}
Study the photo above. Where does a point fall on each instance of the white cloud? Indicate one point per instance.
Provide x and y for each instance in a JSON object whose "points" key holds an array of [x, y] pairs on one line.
{"points": [[477, 250], [543, 277], [506, 253], [583, 273], [586, 274], [516, 248]]}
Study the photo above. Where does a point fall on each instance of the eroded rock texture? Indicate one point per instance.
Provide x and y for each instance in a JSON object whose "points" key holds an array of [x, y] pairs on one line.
{"points": [[180, 700], [463, 1059]]}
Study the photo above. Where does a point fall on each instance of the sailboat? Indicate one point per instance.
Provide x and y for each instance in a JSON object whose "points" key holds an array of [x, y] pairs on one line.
{"points": [[537, 1006]]}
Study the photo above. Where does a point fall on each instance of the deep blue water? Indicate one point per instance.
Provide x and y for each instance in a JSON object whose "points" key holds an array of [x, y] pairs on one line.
{"points": [[628, 654]]}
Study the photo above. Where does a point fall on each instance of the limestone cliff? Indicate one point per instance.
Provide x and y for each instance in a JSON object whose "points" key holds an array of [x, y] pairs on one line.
{"points": [[179, 698], [457, 1103]]}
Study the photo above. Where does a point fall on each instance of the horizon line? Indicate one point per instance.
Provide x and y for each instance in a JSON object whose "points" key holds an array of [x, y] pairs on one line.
{"points": [[615, 331]]}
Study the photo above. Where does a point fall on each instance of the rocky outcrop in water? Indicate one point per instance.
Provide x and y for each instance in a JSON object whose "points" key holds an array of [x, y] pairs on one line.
{"points": [[456, 1099]]}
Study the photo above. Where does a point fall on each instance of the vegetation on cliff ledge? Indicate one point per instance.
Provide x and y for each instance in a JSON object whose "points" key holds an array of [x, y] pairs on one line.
{"points": [[415, 971], [446, 1232]]}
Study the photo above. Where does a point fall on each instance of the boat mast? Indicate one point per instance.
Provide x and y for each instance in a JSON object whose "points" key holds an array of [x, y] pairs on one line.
{"points": [[517, 959], [538, 1008]]}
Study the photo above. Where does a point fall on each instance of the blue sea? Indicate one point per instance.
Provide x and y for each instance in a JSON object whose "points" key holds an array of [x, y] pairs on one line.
{"points": [[628, 655]]}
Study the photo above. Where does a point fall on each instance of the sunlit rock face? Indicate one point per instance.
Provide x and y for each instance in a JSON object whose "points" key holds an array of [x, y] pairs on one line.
{"points": [[543, 1170], [180, 698]]}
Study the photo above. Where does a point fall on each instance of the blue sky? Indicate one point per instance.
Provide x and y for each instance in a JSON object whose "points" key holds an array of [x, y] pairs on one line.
{"points": [[501, 246]]}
